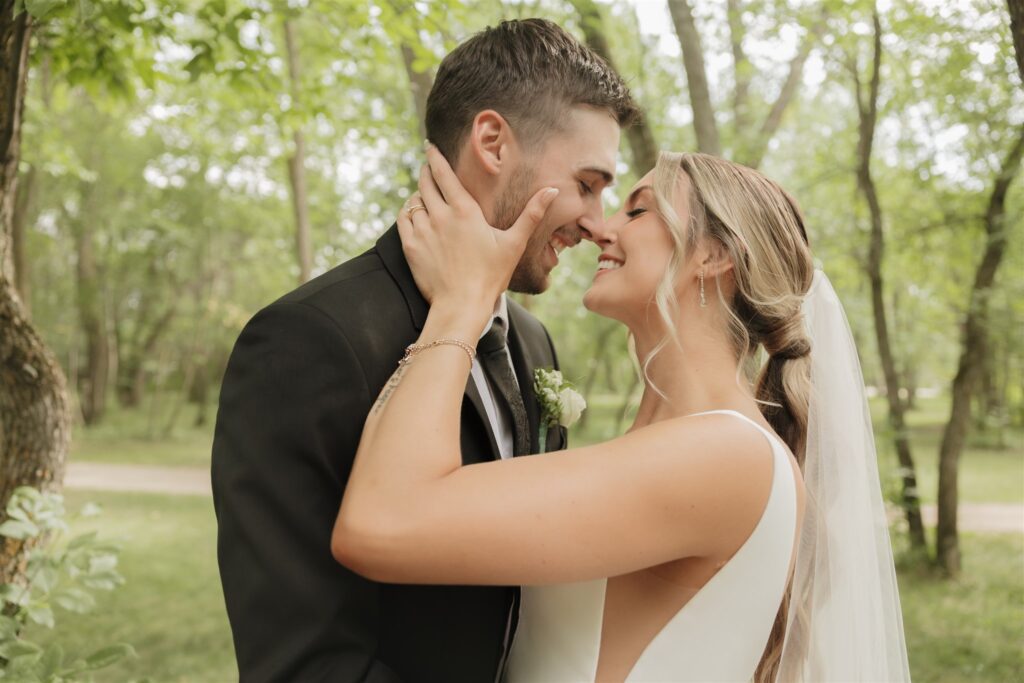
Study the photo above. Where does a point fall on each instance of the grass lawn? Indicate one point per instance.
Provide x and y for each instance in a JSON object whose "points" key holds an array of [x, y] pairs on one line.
{"points": [[172, 611], [971, 629], [171, 608]]}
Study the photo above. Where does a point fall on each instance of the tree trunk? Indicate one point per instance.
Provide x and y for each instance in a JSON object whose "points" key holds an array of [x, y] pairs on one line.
{"points": [[696, 77], [965, 382], [35, 423], [420, 83], [868, 114], [23, 203], [1017, 29], [794, 77], [640, 138], [132, 377], [297, 166], [92, 388], [741, 67]]}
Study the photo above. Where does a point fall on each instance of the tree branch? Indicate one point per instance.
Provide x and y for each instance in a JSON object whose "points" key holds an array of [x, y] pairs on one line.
{"points": [[742, 69], [696, 77], [788, 91]]}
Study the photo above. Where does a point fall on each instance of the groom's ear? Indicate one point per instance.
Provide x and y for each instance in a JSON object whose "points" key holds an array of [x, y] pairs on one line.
{"points": [[491, 142]]}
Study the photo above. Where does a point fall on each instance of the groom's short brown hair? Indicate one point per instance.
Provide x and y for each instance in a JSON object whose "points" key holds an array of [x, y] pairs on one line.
{"points": [[529, 71]]}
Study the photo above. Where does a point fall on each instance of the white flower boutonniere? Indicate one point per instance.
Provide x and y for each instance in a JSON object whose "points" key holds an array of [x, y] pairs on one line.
{"points": [[560, 403]]}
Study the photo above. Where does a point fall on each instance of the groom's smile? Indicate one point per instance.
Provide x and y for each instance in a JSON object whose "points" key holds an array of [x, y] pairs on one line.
{"points": [[560, 241]]}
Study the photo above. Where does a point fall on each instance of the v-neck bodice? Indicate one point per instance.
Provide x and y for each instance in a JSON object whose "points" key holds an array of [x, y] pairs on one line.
{"points": [[718, 635]]}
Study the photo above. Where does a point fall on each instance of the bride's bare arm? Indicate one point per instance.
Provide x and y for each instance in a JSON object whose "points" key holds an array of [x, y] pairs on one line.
{"points": [[412, 514]]}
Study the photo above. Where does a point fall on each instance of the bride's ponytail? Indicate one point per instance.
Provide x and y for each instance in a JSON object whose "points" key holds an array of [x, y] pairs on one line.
{"points": [[784, 384]]}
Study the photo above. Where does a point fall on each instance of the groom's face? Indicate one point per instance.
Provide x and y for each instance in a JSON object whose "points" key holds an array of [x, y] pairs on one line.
{"points": [[579, 160]]}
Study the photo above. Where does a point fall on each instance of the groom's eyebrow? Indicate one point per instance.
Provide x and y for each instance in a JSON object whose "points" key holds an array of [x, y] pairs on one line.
{"points": [[606, 175]]}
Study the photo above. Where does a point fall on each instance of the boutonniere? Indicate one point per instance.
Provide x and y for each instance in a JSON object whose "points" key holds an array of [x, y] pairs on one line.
{"points": [[560, 403]]}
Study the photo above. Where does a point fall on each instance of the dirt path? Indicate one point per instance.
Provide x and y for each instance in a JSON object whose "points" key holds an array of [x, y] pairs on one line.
{"points": [[984, 517], [97, 476]]}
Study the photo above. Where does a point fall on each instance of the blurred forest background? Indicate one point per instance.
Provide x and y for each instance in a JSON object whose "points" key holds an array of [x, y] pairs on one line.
{"points": [[184, 163]]}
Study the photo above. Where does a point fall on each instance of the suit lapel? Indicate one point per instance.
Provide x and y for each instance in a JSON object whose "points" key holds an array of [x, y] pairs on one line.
{"points": [[389, 247]]}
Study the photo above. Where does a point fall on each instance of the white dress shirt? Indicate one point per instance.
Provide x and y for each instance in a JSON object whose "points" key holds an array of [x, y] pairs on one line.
{"points": [[500, 420]]}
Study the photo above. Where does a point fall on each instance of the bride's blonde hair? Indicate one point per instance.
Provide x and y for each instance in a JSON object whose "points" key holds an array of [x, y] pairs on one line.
{"points": [[761, 229]]}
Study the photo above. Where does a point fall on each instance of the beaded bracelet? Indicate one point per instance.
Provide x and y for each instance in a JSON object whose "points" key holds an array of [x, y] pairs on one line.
{"points": [[412, 349]]}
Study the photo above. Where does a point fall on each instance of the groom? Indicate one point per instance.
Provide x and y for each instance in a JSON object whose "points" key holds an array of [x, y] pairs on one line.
{"points": [[514, 109]]}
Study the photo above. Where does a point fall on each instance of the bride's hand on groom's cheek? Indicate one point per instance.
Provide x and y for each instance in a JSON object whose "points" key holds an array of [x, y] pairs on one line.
{"points": [[454, 254]]}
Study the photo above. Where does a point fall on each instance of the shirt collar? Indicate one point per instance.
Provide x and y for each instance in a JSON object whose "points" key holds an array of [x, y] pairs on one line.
{"points": [[500, 311]]}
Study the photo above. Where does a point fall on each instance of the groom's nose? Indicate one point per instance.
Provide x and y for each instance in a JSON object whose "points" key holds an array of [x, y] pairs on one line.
{"points": [[596, 230]]}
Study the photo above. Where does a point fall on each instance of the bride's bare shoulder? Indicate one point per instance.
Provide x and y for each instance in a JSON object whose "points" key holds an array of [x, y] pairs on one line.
{"points": [[716, 465]]}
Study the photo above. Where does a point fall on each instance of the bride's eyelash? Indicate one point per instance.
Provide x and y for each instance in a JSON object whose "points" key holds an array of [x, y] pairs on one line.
{"points": [[636, 212]]}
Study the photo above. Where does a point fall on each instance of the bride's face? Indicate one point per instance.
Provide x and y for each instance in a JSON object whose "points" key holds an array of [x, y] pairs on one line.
{"points": [[636, 249]]}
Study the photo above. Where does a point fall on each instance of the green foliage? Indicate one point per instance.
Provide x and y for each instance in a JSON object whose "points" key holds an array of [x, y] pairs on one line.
{"points": [[60, 573], [171, 607]]}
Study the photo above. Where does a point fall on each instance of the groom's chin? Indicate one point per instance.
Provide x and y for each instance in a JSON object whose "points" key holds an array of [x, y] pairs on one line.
{"points": [[529, 280]]}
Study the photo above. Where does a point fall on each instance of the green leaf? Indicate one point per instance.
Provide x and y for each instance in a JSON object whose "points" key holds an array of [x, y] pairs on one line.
{"points": [[20, 648], [40, 8], [86, 10], [8, 627], [13, 594], [51, 661], [90, 509], [106, 656], [19, 529], [81, 540], [40, 614], [75, 600], [46, 576], [103, 580]]}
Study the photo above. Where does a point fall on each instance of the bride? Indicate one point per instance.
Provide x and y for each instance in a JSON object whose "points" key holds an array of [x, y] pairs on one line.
{"points": [[736, 531]]}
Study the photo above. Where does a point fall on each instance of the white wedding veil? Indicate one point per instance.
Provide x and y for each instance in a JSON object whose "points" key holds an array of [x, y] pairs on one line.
{"points": [[844, 621]]}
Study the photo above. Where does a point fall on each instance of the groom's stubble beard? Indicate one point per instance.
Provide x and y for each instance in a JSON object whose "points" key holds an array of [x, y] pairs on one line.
{"points": [[529, 276]]}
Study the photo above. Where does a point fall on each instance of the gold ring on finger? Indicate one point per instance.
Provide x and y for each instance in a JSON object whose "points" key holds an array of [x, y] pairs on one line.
{"points": [[414, 209]]}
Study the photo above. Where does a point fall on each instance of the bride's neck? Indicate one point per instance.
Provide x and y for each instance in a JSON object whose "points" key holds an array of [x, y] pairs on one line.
{"points": [[699, 373]]}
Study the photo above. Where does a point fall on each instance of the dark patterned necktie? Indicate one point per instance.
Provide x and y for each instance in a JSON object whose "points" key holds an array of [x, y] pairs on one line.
{"points": [[492, 350]]}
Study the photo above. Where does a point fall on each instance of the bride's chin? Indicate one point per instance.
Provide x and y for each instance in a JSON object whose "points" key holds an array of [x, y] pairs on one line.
{"points": [[594, 304]]}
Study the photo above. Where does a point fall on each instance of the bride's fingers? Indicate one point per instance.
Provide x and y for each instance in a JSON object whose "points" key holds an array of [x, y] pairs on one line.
{"points": [[405, 228], [429, 194], [420, 218], [532, 215], [447, 182]]}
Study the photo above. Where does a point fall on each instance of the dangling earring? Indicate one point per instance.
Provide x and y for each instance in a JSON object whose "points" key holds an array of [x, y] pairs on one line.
{"points": [[703, 300]]}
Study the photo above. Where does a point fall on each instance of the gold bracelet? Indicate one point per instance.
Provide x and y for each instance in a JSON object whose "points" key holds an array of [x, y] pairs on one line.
{"points": [[412, 349]]}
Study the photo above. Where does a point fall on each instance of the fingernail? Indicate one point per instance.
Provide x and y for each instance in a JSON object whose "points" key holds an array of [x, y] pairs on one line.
{"points": [[550, 193]]}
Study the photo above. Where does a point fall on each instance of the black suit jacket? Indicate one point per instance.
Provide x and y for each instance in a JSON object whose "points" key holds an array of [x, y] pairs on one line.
{"points": [[300, 382]]}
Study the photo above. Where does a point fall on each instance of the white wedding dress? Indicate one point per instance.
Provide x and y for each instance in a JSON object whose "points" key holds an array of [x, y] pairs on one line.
{"points": [[718, 635]]}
